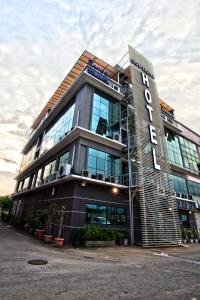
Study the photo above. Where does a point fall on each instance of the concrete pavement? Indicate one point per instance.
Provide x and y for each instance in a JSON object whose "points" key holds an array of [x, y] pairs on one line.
{"points": [[111, 273]]}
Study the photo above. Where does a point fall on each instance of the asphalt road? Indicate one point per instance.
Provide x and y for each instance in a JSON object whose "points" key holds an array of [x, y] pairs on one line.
{"points": [[111, 273]]}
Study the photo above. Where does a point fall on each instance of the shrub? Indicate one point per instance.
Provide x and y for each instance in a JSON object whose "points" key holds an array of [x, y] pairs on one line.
{"points": [[40, 217], [95, 233], [195, 233], [4, 216], [190, 234], [185, 234], [5, 201]]}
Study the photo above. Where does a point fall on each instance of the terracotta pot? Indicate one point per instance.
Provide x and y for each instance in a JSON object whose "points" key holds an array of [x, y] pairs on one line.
{"points": [[59, 242], [40, 233], [48, 238]]}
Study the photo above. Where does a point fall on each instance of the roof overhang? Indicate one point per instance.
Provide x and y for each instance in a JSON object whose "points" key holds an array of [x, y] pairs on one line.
{"points": [[69, 80]]}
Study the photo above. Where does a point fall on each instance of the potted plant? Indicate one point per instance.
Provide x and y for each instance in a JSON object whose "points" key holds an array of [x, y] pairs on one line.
{"points": [[184, 235], [48, 237], [196, 235], [125, 238], [59, 240], [190, 236], [78, 237], [40, 218]]}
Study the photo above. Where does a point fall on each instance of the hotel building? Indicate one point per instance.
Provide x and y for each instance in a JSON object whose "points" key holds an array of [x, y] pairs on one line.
{"points": [[112, 152]]}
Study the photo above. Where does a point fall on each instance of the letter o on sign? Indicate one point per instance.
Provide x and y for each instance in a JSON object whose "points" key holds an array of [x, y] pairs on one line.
{"points": [[147, 96]]}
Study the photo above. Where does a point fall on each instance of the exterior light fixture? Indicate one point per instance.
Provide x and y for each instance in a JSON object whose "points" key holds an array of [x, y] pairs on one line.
{"points": [[170, 208], [83, 183], [115, 190], [53, 192], [190, 212]]}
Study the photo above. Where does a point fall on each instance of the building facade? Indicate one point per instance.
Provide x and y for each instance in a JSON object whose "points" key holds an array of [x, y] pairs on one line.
{"points": [[108, 149]]}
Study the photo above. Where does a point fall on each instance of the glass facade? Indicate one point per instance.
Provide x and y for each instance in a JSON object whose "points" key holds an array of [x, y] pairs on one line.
{"points": [[28, 158], [103, 214], [99, 162], [63, 159], [173, 148], [49, 169], [62, 126], [180, 185], [189, 154], [194, 188], [105, 115]]}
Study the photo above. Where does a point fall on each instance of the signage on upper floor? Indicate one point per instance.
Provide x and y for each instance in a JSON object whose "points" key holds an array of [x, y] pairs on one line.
{"points": [[92, 64], [141, 67], [97, 75]]}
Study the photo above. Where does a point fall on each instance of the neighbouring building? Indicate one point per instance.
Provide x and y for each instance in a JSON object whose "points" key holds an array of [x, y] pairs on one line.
{"points": [[108, 149]]}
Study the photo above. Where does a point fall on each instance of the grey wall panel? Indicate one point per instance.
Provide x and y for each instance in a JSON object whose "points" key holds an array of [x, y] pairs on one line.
{"points": [[159, 216]]}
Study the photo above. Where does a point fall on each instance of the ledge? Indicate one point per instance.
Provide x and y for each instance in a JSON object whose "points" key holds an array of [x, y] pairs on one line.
{"points": [[76, 133], [67, 179]]}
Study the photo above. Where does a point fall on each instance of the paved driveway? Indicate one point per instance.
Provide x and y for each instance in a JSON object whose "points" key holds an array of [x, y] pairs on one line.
{"points": [[111, 273]]}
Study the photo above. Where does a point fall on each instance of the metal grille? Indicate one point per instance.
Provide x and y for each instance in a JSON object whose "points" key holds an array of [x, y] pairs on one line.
{"points": [[158, 212]]}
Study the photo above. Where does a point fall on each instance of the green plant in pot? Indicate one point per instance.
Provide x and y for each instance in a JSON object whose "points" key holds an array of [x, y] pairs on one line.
{"points": [[48, 237], [61, 216], [185, 235], [190, 236], [196, 235], [40, 219]]}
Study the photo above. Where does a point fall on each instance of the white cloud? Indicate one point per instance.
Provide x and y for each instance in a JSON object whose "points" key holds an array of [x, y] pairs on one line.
{"points": [[40, 41]]}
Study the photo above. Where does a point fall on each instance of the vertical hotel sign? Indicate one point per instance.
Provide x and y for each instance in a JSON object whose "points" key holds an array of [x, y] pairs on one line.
{"points": [[159, 219], [152, 129], [146, 103]]}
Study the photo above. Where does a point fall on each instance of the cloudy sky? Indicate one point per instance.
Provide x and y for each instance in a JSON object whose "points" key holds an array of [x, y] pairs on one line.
{"points": [[41, 39]]}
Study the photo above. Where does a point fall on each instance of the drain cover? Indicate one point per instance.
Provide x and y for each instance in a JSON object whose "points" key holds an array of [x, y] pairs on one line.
{"points": [[37, 262]]}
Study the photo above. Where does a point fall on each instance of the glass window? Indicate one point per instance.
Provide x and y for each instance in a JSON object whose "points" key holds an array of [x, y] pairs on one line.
{"points": [[173, 148], [194, 188], [99, 162], [39, 177], [190, 154], [28, 158], [63, 159], [180, 185], [103, 214], [121, 217], [49, 169], [105, 115], [26, 183], [58, 130]]}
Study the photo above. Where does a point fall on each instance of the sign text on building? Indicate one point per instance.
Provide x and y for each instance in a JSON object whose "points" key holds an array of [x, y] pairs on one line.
{"points": [[152, 129]]}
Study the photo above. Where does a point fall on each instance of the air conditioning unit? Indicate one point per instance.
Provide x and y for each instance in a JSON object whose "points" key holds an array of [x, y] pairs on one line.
{"points": [[93, 176], [51, 177], [190, 197], [55, 175], [100, 177], [64, 170], [39, 182], [116, 136], [112, 179], [46, 180], [178, 195], [85, 173], [174, 194], [184, 196], [164, 117], [116, 88]]}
